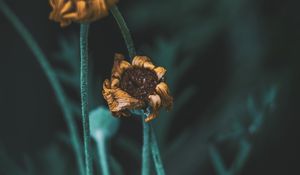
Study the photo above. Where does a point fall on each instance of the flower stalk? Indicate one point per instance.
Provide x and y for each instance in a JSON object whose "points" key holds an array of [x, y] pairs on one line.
{"points": [[124, 30], [149, 139], [84, 96], [156, 154], [146, 148], [52, 78]]}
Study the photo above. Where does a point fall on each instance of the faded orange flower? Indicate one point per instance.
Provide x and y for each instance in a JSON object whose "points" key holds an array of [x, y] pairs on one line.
{"points": [[66, 11], [136, 86]]}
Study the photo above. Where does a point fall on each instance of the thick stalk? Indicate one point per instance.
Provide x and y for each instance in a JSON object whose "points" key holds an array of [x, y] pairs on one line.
{"points": [[52, 78], [84, 28], [146, 126], [146, 148], [124, 30], [156, 154]]}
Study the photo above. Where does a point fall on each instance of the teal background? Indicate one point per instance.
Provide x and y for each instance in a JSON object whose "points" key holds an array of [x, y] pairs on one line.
{"points": [[233, 69]]}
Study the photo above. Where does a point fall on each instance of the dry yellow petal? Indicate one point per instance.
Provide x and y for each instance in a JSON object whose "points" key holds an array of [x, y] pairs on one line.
{"points": [[115, 83], [142, 61], [160, 72], [163, 91], [71, 16], [155, 103], [66, 7], [119, 66], [118, 100]]}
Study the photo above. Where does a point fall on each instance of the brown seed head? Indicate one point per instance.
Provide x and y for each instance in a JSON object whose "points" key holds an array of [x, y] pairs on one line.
{"points": [[139, 82]]}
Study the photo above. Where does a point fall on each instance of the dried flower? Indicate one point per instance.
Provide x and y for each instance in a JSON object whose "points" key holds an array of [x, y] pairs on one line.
{"points": [[136, 86], [66, 11]]}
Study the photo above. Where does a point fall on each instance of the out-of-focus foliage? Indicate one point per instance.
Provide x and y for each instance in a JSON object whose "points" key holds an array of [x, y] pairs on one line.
{"points": [[229, 66], [184, 31], [69, 74], [165, 54], [52, 160], [243, 128], [9, 166]]}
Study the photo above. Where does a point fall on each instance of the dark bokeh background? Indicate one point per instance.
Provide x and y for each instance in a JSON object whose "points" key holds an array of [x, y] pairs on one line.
{"points": [[236, 50]]}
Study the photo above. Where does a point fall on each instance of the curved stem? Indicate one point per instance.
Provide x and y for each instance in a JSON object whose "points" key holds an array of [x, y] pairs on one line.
{"points": [[52, 78], [146, 126], [102, 153], [125, 31], [146, 148], [156, 154], [84, 28], [241, 157]]}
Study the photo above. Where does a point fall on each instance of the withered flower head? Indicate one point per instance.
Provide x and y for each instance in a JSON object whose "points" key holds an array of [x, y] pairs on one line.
{"points": [[136, 86], [66, 11]]}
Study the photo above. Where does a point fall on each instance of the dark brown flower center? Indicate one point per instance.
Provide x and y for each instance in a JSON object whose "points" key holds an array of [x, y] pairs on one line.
{"points": [[139, 82]]}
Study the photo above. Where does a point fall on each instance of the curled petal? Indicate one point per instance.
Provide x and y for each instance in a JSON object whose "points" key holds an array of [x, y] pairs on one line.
{"points": [[148, 65], [118, 100], [59, 7], [155, 103], [67, 6], [81, 10], [163, 91], [71, 16], [119, 66], [81, 13], [151, 116], [160, 72], [115, 83], [100, 8], [106, 84], [142, 61]]}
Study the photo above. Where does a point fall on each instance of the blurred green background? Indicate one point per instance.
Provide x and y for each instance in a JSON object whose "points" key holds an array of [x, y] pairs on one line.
{"points": [[233, 69]]}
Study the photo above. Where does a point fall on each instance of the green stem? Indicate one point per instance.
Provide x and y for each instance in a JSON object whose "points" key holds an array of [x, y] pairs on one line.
{"points": [[241, 157], [84, 28], [156, 154], [102, 152], [146, 126], [50, 74], [146, 149], [217, 161], [125, 31]]}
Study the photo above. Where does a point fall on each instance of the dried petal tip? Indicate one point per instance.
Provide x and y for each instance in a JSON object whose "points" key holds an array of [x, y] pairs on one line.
{"points": [[118, 100], [82, 11], [162, 90], [155, 103], [120, 65], [136, 86], [143, 62]]}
